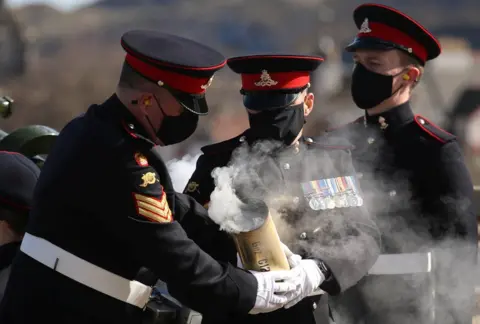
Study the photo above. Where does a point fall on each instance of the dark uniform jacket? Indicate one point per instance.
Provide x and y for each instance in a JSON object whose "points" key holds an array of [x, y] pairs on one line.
{"points": [[420, 193], [344, 238], [88, 202], [7, 253]]}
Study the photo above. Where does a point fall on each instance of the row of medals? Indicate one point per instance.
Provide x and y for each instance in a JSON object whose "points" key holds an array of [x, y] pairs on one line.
{"points": [[338, 201]]}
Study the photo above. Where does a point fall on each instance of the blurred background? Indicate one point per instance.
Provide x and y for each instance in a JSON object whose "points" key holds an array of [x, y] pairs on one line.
{"points": [[59, 56]]}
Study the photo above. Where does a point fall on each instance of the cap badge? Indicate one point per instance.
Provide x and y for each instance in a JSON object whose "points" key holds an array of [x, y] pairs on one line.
{"points": [[208, 84], [382, 122], [364, 28], [265, 80]]}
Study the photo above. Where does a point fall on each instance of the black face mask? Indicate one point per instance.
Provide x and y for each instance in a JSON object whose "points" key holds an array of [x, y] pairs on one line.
{"points": [[369, 89], [282, 124], [176, 129]]}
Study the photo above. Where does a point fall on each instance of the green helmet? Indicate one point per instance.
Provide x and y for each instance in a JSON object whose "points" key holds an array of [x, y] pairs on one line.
{"points": [[33, 141]]}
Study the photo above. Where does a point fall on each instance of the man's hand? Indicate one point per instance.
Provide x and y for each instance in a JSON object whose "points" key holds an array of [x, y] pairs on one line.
{"points": [[275, 289], [308, 278]]}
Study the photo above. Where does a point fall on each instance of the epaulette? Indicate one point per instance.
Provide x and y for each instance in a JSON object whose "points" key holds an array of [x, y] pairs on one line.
{"points": [[225, 146], [334, 128], [329, 143], [433, 130]]}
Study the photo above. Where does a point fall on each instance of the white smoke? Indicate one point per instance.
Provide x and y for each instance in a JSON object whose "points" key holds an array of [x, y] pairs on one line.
{"points": [[240, 179], [181, 170], [226, 209]]}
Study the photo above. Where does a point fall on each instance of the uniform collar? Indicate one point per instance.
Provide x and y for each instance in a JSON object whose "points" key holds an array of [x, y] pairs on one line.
{"points": [[123, 116], [392, 119]]}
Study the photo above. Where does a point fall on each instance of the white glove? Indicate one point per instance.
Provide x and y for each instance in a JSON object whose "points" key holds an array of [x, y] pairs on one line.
{"points": [[273, 289], [293, 259], [239, 262], [309, 277]]}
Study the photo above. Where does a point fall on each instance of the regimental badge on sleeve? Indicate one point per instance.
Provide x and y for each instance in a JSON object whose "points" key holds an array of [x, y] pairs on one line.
{"points": [[192, 187], [153, 209]]}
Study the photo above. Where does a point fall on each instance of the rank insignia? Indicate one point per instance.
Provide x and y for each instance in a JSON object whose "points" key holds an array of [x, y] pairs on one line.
{"points": [[141, 159], [192, 186], [154, 209], [340, 192], [148, 179]]}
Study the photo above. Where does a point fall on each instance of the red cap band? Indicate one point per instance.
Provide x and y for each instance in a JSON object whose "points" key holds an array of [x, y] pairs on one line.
{"points": [[275, 80], [175, 80], [393, 35]]}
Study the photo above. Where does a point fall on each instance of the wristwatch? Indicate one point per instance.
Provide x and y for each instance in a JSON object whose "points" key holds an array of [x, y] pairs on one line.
{"points": [[324, 269]]}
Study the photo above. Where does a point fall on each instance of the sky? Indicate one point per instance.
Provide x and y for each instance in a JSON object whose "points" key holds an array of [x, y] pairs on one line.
{"points": [[66, 5]]}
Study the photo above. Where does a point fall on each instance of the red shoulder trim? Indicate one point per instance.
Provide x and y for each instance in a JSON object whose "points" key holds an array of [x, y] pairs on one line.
{"points": [[433, 130], [356, 121]]}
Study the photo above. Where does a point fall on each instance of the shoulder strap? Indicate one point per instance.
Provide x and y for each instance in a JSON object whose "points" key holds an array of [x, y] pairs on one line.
{"points": [[433, 130], [329, 143]]}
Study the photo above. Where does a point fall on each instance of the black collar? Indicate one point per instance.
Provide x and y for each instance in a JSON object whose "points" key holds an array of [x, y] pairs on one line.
{"points": [[392, 119], [116, 109]]}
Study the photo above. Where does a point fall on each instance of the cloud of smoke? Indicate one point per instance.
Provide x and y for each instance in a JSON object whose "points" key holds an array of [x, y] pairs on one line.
{"points": [[237, 186], [180, 170], [441, 295]]}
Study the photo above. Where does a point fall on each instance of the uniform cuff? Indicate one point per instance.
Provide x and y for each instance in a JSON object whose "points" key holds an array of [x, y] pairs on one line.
{"points": [[247, 287]]}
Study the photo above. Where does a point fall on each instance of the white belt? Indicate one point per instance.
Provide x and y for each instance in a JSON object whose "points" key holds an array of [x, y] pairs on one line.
{"points": [[404, 263], [84, 272]]}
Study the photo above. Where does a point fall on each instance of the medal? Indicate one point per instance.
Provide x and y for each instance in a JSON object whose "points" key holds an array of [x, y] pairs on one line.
{"points": [[314, 203], [321, 201], [329, 203], [338, 201], [352, 200], [360, 201]]}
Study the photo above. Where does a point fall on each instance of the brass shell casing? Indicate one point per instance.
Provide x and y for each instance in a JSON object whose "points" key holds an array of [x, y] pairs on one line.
{"points": [[260, 249]]}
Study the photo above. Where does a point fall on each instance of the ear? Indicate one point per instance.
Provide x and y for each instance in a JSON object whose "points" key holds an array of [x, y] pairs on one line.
{"points": [[308, 104], [412, 75]]}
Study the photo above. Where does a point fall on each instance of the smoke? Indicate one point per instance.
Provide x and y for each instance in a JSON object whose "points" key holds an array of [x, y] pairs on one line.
{"points": [[271, 173], [181, 170], [239, 191]]}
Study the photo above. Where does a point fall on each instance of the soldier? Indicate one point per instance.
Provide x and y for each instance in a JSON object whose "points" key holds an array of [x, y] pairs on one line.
{"points": [[105, 209], [276, 97], [414, 178], [18, 177]]}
